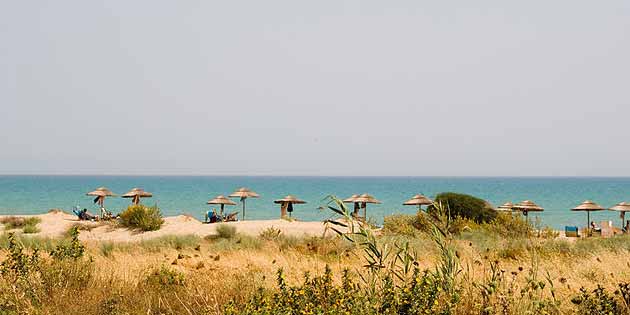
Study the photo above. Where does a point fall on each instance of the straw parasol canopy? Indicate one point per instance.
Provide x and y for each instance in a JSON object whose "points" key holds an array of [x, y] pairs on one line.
{"points": [[221, 200], [100, 194], [101, 191], [363, 200], [290, 199], [244, 193], [286, 204], [508, 206], [352, 199], [366, 198], [622, 207], [418, 200], [136, 194], [588, 206], [527, 206]]}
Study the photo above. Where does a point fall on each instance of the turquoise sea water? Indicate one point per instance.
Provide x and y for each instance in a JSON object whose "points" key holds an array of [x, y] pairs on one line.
{"points": [[179, 194]]}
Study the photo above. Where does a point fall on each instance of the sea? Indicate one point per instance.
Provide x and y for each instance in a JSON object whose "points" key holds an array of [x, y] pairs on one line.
{"points": [[176, 195]]}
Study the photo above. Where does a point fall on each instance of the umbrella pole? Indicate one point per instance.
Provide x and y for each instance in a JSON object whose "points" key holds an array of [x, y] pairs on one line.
{"points": [[588, 223], [526, 221], [623, 219], [222, 205], [244, 208]]}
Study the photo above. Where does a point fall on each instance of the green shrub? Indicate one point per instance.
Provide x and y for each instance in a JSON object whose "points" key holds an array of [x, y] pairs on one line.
{"points": [[142, 217], [30, 229], [465, 206], [597, 302], [11, 223], [226, 231], [30, 242], [74, 249], [510, 225], [400, 224]]}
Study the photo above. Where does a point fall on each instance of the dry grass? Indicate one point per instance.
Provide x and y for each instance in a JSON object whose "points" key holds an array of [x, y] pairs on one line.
{"points": [[218, 270]]}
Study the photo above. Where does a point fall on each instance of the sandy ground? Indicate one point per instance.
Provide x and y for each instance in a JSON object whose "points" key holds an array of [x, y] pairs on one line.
{"points": [[56, 223]]}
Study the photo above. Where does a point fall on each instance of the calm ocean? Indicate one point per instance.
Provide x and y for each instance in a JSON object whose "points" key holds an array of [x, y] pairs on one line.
{"points": [[188, 194]]}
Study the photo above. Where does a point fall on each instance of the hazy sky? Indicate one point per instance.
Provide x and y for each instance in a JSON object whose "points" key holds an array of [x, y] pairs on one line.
{"points": [[315, 87]]}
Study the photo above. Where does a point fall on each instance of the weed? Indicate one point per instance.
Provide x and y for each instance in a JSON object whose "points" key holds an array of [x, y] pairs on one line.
{"points": [[164, 277], [270, 234]]}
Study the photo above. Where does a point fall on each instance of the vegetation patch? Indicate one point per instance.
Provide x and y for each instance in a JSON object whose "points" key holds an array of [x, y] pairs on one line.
{"points": [[270, 234], [226, 231], [142, 218], [27, 224], [465, 206], [165, 277], [171, 241], [400, 224]]}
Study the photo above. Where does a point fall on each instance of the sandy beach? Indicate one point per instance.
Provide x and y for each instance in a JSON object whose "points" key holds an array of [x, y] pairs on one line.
{"points": [[56, 223]]}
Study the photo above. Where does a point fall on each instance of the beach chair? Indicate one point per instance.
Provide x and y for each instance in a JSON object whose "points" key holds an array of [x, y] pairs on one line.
{"points": [[77, 212], [231, 217], [571, 231]]}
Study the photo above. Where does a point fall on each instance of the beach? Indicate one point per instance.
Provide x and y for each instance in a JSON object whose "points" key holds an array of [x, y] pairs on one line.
{"points": [[56, 223], [177, 195]]}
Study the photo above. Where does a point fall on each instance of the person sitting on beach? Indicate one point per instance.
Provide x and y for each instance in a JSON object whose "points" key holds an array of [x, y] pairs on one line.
{"points": [[594, 227], [85, 215], [211, 217], [627, 227]]}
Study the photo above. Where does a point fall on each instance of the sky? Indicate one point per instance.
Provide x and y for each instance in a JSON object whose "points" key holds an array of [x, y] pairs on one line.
{"points": [[329, 87]]}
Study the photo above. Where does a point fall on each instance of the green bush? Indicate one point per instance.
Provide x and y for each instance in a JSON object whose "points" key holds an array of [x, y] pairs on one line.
{"points": [[226, 231], [465, 206], [510, 225], [598, 302], [142, 217], [74, 249], [30, 229], [400, 224], [29, 223]]}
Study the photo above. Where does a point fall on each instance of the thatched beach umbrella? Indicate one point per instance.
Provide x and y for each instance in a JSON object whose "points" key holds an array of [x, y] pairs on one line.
{"points": [[136, 194], [244, 193], [526, 207], [418, 200], [286, 204], [352, 199], [588, 206], [221, 200], [622, 207], [508, 206], [100, 194], [364, 200]]}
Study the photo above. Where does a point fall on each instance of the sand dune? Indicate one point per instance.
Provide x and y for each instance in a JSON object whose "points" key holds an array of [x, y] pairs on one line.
{"points": [[56, 223]]}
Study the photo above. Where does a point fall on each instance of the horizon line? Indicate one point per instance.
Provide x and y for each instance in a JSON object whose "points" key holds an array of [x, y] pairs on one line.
{"points": [[323, 176]]}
